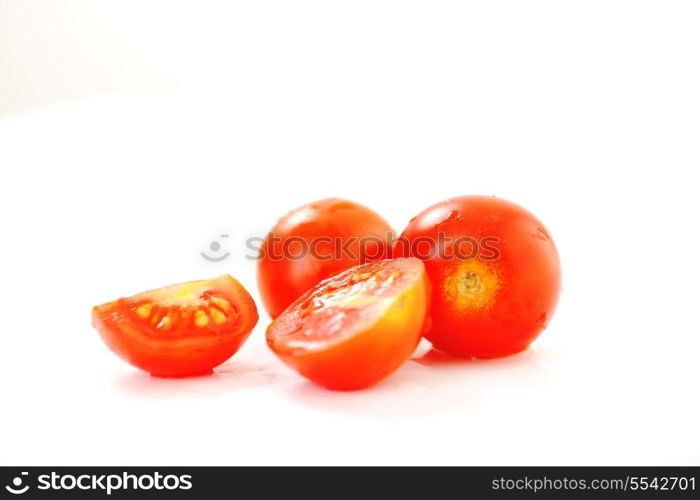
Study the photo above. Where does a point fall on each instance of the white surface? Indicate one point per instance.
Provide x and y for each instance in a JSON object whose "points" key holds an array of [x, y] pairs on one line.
{"points": [[586, 113]]}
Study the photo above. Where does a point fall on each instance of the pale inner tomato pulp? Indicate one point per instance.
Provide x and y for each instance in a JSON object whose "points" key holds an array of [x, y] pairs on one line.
{"points": [[184, 309], [341, 306]]}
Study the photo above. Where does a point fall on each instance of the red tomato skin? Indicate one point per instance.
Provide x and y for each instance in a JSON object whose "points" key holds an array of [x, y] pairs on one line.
{"points": [[282, 280], [165, 359], [524, 280]]}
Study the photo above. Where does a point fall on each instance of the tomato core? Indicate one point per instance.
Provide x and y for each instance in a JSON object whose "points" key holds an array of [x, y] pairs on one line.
{"points": [[471, 285]]}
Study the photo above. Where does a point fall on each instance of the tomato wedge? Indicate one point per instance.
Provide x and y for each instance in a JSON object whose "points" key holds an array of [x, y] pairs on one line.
{"points": [[180, 330], [356, 328]]}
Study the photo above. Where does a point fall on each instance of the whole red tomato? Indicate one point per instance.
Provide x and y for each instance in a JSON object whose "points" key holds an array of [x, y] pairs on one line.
{"points": [[494, 272], [315, 242]]}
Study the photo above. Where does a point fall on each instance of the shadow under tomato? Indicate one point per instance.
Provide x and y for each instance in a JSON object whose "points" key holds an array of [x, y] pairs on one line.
{"points": [[431, 383], [434, 357], [229, 377]]}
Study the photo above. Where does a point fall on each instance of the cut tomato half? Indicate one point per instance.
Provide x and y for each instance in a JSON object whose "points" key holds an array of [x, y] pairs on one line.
{"points": [[356, 328], [179, 330]]}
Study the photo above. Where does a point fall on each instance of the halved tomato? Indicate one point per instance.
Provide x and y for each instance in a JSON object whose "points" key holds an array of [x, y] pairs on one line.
{"points": [[179, 330], [356, 328]]}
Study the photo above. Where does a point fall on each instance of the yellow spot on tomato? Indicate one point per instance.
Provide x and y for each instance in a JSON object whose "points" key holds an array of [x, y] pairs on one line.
{"points": [[221, 303], [471, 285], [165, 323], [218, 317], [201, 319], [144, 311]]}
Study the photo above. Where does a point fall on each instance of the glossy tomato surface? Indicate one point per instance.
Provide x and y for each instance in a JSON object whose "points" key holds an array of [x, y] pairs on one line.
{"points": [[494, 271], [179, 330], [315, 242], [356, 328]]}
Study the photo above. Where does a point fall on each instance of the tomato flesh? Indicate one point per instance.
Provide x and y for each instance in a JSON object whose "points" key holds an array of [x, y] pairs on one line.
{"points": [[493, 302], [356, 328], [180, 330], [314, 242]]}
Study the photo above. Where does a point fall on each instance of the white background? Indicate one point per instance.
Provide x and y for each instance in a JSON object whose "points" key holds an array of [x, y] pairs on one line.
{"points": [[132, 134]]}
